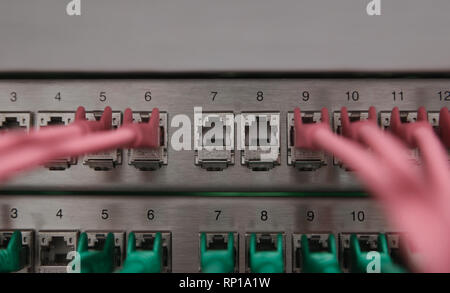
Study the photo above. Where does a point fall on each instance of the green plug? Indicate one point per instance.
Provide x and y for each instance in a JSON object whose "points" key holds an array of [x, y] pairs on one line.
{"points": [[266, 261], [149, 261], [360, 261], [320, 262], [96, 261], [10, 258], [217, 261]]}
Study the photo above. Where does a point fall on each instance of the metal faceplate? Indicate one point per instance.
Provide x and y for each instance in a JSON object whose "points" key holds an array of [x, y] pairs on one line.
{"points": [[185, 217], [179, 97]]}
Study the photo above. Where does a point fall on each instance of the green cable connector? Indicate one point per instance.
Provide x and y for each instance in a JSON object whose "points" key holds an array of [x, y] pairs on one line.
{"points": [[320, 262], [148, 261], [266, 261], [361, 262], [101, 261], [217, 261], [10, 258]]}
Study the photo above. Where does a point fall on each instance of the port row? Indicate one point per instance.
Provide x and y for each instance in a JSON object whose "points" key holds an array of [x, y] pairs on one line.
{"points": [[151, 251], [257, 138]]}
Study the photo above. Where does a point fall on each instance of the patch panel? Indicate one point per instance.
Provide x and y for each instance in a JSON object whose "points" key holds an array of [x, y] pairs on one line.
{"points": [[178, 98]]}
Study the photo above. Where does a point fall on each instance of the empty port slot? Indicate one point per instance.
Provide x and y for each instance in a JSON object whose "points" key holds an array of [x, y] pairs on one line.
{"points": [[15, 120], [150, 159], [214, 139], [27, 252], [57, 118], [316, 242], [265, 243], [145, 240], [53, 248], [96, 241], [104, 161], [301, 159], [259, 140]]}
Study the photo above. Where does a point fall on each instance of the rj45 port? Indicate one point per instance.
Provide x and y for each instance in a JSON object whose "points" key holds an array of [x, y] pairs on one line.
{"points": [[45, 119], [301, 159], [104, 161], [259, 140], [150, 159], [214, 139]]}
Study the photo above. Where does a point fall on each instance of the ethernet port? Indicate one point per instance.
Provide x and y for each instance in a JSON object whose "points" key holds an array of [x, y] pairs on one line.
{"points": [[15, 121], [259, 140], [44, 119], [337, 126], [396, 248], [317, 244], [405, 117], [213, 139], [53, 249], [302, 159], [27, 251], [150, 159], [145, 241], [433, 118], [265, 253], [107, 160], [219, 252], [97, 239], [367, 242]]}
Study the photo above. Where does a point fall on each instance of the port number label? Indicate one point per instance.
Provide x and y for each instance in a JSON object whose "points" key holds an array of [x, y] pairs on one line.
{"points": [[397, 95], [13, 96], [14, 213], [259, 96], [305, 96], [151, 215], [58, 96], [353, 96], [213, 95], [105, 214], [59, 213], [102, 96], [358, 216], [444, 96], [264, 216], [218, 212], [310, 216], [148, 96]]}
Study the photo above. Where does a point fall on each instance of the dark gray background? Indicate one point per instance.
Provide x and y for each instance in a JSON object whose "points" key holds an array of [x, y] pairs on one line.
{"points": [[232, 35]]}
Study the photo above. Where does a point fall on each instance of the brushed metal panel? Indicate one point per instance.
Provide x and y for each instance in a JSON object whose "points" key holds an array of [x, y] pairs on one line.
{"points": [[186, 217], [180, 96]]}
